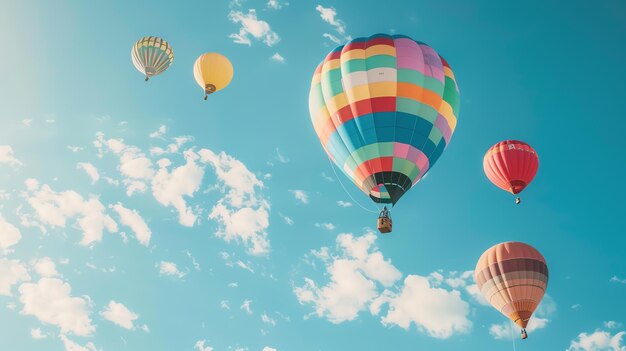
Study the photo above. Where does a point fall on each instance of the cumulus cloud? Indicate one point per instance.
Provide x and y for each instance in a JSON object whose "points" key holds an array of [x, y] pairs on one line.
{"points": [[252, 26], [327, 226], [439, 312], [133, 220], [133, 163], [27, 122], [51, 302], [278, 58], [11, 273], [158, 134], [267, 348], [355, 275], [276, 4], [7, 157], [9, 235], [300, 195], [170, 269], [74, 148], [73, 346], [45, 267], [200, 346], [36, 334], [119, 314], [599, 340], [287, 220], [344, 203], [358, 272], [243, 212], [267, 319], [171, 188], [90, 169], [56, 208]]}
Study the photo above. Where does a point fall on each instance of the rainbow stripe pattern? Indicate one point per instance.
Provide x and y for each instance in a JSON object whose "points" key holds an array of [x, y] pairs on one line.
{"points": [[384, 109]]}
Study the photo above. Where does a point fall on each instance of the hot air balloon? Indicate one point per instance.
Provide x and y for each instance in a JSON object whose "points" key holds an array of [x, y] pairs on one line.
{"points": [[384, 109], [213, 72], [511, 165], [513, 277], [151, 56]]}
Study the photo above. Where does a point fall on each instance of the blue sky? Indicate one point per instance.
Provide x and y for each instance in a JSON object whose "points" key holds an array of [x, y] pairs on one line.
{"points": [[138, 216]]}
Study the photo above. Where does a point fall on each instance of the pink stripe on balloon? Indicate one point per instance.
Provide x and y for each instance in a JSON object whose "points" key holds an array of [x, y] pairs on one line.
{"points": [[409, 55], [442, 124], [400, 150]]}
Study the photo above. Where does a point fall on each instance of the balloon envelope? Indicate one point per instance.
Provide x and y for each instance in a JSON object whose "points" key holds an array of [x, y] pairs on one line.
{"points": [[384, 109], [213, 72], [513, 277], [511, 165], [152, 56]]}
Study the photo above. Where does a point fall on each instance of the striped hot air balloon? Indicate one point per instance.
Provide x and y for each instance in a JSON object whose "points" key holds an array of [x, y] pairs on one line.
{"points": [[511, 165], [513, 277], [152, 56], [384, 109]]}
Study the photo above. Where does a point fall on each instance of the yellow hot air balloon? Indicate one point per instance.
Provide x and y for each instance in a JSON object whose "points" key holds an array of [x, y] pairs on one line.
{"points": [[213, 72]]}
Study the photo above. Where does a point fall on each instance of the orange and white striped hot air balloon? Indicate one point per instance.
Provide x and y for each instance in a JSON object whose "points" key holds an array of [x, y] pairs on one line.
{"points": [[513, 277]]}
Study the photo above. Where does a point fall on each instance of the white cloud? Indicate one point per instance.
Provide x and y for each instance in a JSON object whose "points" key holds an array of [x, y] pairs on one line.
{"points": [[119, 314], [344, 203], [11, 273], [233, 285], [327, 226], [599, 340], [90, 169], [612, 324], [224, 305], [250, 25], [246, 306], [45, 267], [267, 348], [158, 134], [287, 220], [9, 235], [195, 263], [329, 15], [27, 122], [37, 334], [133, 165], [133, 220], [276, 4], [616, 279], [279, 58], [439, 312], [170, 269], [332, 38], [56, 208], [242, 265], [6, 156], [50, 301], [327, 178], [267, 319], [170, 188], [300, 195], [200, 346], [355, 274], [74, 148], [72, 346], [243, 213]]}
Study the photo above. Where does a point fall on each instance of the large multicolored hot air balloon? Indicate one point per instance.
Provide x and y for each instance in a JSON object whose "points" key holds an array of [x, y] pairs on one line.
{"points": [[513, 277], [213, 72], [152, 56], [384, 109], [511, 165]]}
